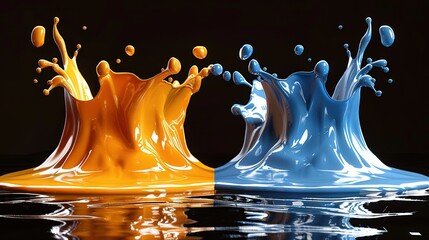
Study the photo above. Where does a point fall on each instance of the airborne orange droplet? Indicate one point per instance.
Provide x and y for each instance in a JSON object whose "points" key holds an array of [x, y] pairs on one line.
{"points": [[200, 52], [38, 36], [84, 28], [118, 60], [130, 50]]}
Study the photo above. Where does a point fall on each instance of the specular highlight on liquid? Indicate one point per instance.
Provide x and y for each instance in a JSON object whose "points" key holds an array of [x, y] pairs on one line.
{"points": [[298, 138], [128, 138]]}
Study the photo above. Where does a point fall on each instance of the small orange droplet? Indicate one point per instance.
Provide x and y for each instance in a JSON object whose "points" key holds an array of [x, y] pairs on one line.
{"points": [[78, 46], [118, 60], [200, 52], [170, 79], [54, 60], [130, 50], [38, 36], [84, 28], [35, 81], [46, 92], [39, 70]]}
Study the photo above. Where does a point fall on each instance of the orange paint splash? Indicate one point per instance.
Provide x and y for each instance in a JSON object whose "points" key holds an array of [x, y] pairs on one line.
{"points": [[129, 138]]}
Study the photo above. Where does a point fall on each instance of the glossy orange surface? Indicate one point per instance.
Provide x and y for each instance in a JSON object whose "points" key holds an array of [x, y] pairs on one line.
{"points": [[129, 138]]}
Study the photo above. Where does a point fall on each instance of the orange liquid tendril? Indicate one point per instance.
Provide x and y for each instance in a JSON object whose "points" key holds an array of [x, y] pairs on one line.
{"points": [[129, 138]]}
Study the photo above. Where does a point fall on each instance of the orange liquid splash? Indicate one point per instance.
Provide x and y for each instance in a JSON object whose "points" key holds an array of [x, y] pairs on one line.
{"points": [[129, 138]]}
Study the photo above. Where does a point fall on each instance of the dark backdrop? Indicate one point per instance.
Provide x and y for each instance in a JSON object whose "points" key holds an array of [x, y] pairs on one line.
{"points": [[395, 125]]}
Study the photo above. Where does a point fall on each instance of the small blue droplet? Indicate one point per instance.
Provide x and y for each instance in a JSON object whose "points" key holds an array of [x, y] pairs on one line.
{"points": [[378, 93], [309, 59], [216, 69], [265, 69], [386, 69], [340, 27], [274, 74], [245, 51], [369, 60], [346, 45], [299, 49], [390, 80], [387, 35], [226, 76]]}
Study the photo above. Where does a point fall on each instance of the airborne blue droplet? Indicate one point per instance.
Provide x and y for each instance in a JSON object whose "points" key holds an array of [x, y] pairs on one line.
{"points": [[245, 51], [299, 49], [340, 27], [387, 35], [226, 76], [216, 69], [390, 80], [386, 69]]}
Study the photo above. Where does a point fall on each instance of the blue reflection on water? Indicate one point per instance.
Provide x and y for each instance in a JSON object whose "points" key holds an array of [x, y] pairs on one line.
{"points": [[255, 215]]}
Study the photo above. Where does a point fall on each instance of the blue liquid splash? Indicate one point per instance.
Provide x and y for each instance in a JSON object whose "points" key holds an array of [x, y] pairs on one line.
{"points": [[300, 139]]}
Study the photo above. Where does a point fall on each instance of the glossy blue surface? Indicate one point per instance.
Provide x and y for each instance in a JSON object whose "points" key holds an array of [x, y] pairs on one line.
{"points": [[300, 139]]}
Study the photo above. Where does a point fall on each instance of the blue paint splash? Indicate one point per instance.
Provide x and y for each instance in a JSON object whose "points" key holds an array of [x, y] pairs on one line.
{"points": [[298, 138]]}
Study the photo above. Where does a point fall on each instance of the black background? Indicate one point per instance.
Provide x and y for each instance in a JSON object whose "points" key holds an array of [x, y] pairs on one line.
{"points": [[395, 125]]}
